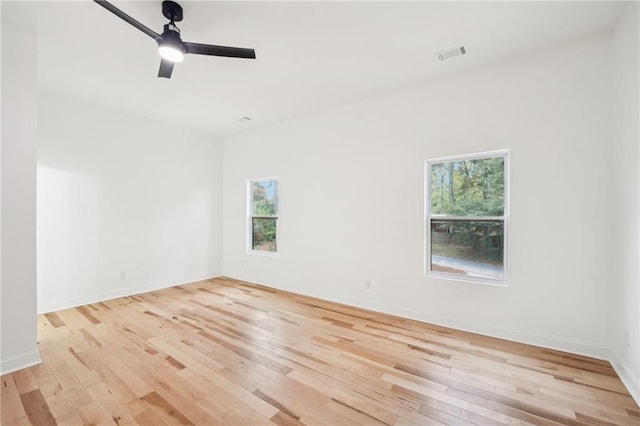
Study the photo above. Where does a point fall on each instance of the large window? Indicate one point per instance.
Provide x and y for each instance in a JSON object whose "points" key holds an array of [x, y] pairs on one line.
{"points": [[466, 214], [263, 215]]}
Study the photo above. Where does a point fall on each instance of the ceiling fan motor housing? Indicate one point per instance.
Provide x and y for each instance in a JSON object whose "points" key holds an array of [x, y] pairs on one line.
{"points": [[171, 36], [170, 30]]}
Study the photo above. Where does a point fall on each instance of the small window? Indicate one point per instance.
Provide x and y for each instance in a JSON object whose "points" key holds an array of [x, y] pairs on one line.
{"points": [[466, 213], [263, 215]]}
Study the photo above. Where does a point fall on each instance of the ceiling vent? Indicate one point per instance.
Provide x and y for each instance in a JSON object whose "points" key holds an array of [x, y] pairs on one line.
{"points": [[451, 53]]}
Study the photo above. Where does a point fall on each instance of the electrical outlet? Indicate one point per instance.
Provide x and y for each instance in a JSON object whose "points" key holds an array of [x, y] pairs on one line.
{"points": [[123, 275], [626, 338], [367, 284]]}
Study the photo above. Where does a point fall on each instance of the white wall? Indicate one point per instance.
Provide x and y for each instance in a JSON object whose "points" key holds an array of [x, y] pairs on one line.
{"points": [[19, 139], [626, 212], [125, 204], [352, 197]]}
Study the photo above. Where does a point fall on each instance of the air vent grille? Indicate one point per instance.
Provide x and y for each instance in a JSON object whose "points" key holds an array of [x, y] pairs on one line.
{"points": [[451, 53]]}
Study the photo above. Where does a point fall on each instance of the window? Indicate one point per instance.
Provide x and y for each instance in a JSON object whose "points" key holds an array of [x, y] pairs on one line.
{"points": [[466, 215], [263, 215]]}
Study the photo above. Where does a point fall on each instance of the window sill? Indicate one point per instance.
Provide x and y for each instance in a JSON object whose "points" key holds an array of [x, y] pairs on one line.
{"points": [[453, 277], [263, 253]]}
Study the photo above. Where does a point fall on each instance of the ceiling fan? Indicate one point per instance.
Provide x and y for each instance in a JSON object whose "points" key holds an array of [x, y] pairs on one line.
{"points": [[170, 46]]}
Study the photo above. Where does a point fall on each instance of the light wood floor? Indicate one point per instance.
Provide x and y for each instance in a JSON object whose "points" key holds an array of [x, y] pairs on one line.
{"points": [[226, 352]]}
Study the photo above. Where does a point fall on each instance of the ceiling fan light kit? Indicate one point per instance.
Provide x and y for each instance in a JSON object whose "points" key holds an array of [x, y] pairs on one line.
{"points": [[170, 45], [171, 53]]}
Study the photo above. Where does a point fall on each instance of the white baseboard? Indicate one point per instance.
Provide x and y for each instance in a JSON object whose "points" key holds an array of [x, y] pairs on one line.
{"points": [[546, 341], [20, 361], [630, 380], [521, 336], [122, 292]]}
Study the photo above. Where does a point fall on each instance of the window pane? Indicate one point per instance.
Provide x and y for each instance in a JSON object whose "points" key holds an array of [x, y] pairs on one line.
{"points": [[264, 195], [263, 234], [468, 187], [473, 249]]}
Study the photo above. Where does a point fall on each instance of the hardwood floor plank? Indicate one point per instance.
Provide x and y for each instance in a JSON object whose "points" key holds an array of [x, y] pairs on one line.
{"points": [[215, 410], [366, 416], [37, 408], [442, 416], [167, 411], [129, 378], [430, 397], [149, 417], [284, 419], [94, 414], [342, 414], [226, 352], [54, 319], [281, 408], [253, 419], [218, 400], [12, 412], [25, 382], [64, 410]]}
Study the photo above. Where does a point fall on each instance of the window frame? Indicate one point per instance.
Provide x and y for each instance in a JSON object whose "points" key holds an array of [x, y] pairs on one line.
{"points": [[251, 216], [429, 218]]}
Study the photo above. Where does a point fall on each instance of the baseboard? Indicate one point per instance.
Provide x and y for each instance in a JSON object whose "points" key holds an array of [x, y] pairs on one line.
{"points": [[123, 292], [20, 361], [631, 381], [521, 336], [511, 334]]}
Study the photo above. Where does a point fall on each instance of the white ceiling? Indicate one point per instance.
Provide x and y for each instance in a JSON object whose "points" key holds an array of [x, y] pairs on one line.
{"points": [[310, 55]]}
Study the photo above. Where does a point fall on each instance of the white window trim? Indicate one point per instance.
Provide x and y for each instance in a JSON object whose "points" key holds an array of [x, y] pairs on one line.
{"points": [[250, 249], [428, 216]]}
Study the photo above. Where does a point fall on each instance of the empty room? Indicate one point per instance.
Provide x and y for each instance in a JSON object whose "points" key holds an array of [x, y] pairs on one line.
{"points": [[320, 213]]}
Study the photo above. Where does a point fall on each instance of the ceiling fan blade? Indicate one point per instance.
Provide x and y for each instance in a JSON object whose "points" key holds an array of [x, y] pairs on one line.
{"points": [[230, 52], [166, 67], [111, 8]]}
